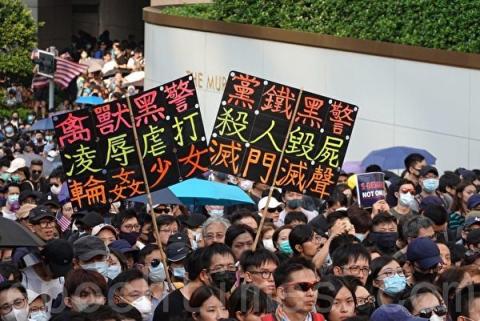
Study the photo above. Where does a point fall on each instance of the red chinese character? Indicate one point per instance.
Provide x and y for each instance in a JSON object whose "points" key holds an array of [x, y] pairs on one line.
{"points": [[310, 112], [193, 159], [73, 130], [93, 190], [108, 121], [268, 161], [125, 183], [161, 167], [279, 101], [340, 116], [320, 181], [243, 91], [227, 155], [147, 108], [177, 95], [294, 175]]}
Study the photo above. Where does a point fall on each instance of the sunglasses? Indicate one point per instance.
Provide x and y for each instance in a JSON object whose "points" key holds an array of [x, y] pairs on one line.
{"points": [[304, 286], [155, 263], [275, 209], [439, 310]]}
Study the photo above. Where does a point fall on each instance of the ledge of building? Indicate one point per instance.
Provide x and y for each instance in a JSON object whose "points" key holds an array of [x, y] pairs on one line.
{"points": [[154, 15]]}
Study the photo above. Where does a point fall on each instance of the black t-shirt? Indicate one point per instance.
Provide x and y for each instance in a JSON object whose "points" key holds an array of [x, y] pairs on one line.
{"points": [[174, 307]]}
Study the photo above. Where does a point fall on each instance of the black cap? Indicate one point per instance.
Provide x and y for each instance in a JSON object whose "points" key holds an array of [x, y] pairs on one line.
{"points": [[91, 219], [58, 255], [177, 251], [122, 246], [87, 247], [473, 237], [192, 221], [26, 194], [428, 169], [179, 238], [40, 212], [49, 199]]}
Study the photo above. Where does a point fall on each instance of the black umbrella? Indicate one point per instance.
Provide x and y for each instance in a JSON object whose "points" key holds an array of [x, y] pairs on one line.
{"points": [[13, 234]]}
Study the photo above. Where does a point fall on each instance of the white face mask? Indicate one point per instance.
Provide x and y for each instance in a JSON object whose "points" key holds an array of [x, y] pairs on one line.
{"points": [[16, 315], [100, 267], [406, 199], [144, 306], [435, 317], [113, 271], [39, 316], [268, 244], [55, 189]]}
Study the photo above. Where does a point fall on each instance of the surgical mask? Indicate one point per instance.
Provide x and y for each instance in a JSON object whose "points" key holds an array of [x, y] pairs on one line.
{"points": [[385, 241], [179, 272], [365, 309], [435, 317], [393, 285], [113, 271], [100, 267], [48, 138], [144, 306], [215, 212], [15, 178], [157, 274], [55, 189], [16, 315], [430, 185], [285, 248], [246, 185], [224, 280], [268, 244], [360, 236], [293, 204], [9, 130], [13, 198], [39, 316], [406, 199], [30, 119]]}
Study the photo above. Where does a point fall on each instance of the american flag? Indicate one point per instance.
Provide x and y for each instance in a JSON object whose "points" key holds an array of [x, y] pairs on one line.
{"points": [[64, 223], [66, 71]]}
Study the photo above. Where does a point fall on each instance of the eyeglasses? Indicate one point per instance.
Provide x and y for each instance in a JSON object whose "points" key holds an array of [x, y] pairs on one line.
{"points": [[162, 210], [390, 273], [369, 299], [36, 172], [221, 268], [264, 274], [18, 304], [304, 286], [275, 209], [357, 269], [130, 227], [168, 231], [45, 224], [439, 310], [155, 262]]}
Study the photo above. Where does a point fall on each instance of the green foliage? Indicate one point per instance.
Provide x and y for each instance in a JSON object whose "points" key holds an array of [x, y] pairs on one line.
{"points": [[443, 24], [18, 34]]}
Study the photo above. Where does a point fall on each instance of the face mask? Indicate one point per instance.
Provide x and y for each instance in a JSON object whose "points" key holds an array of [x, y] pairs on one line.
{"points": [[36, 176], [12, 198], [16, 315], [268, 244], [215, 212], [365, 309], [284, 247], [394, 285], [144, 306], [224, 280], [360, 236], [424, 277], [246, 185], [113, 271], [435, 317], [406, 199], [9, 130], [39, 316], [100, 267], [293, 204], [385, 241], [430, 185], [179, 272], [131, 237], [157, 274], [15, 179], [48, 138], [55, 189]]}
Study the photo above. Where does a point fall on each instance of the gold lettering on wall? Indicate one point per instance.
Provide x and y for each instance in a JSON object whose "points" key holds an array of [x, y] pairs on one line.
{"points": [[209, 82]]}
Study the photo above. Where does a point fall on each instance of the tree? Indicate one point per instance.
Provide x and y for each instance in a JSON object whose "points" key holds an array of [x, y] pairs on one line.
{"points": [[18, 36]]}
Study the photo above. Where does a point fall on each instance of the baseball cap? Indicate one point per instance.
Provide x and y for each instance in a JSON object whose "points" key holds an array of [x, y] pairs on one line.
{"points": [[58, 255], [428, 169], [26, 194], [192, 221], [470, 220], [473, 237], [32, 296], [91, 219], [49, 199], [16, 164], [467, 175], [98, 228], [87, 247], [431, 200], [393, 312], [473, 201], [122, 246], [273, 203], [178, 238], [24, 211], [177, 251], [424, 252], [40, 212]]}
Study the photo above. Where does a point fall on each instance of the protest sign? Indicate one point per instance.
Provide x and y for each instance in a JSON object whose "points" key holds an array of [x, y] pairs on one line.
{"points": [[101, 159], [252, 124], [370, 188]]}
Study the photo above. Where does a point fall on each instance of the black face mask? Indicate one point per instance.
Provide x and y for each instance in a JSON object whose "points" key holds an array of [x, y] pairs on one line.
{"points": [[131, 237], [293, 204], [365, 309], [424, 276], [224, 280], [36, 176], [385, 241]]}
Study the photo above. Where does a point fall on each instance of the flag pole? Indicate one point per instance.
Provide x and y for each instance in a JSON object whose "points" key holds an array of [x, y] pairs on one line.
{"points": [[277, 170], [149, 196]]}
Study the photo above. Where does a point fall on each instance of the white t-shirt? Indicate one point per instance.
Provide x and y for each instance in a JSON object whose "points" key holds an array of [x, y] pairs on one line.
{"points": [[32, 281]]}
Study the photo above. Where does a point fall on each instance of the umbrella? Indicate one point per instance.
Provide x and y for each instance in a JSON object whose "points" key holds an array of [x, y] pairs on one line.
{"points": [[134, 79], [89, 100], [352, 167], [15, 234], [202, 192], [43, 124], [393, 157], [163, 196]]}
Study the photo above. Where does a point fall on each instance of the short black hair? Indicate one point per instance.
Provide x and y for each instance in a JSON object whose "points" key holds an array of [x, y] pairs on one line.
{"points": [[342, 239], [241, 213], [126, 277], [360, 219], [335, 216], [373, 168], [463, 300], [337, 197], [448, 179], [194, 264], [257, 258], [7, 285], [276, 234], [124, 215], [382, 218], [166, 219], [59, 173], [146, 250], [283, 271], [247, 298], [347, 252], [329, 288], [211, 250], [127, 311], [402, 181], [299, 235], [295, 216], [437, 213], [36, 161], [235, 230], [412, 159]]}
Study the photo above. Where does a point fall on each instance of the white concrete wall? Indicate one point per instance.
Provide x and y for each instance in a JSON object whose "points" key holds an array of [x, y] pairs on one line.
{"points": [[401, 102]]}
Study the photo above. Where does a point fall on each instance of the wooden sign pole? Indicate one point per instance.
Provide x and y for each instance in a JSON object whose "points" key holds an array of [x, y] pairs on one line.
{"points": [[149, 197], [277, 170]]}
